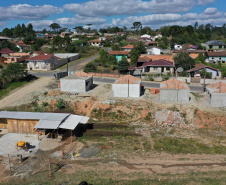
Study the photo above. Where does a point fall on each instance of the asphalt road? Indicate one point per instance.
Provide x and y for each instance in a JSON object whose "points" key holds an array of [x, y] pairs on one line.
{"points": [[193, 88]]}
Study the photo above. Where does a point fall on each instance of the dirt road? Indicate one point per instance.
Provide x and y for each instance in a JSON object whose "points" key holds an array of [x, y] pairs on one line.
{"points": [[19, 94]]}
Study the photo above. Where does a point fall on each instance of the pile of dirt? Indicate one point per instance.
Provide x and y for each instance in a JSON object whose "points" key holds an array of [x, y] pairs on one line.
{"points": [[169, 118], [209, 120], [54, 92]]}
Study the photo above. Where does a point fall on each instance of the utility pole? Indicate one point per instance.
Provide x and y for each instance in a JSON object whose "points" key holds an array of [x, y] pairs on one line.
{"points": [[204, 88]]}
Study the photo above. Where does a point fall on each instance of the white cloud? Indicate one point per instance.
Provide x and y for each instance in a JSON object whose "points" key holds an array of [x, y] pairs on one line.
{"points": [[210, 15], [28, 12], [205, 2], [68, 22], [98, 8]]}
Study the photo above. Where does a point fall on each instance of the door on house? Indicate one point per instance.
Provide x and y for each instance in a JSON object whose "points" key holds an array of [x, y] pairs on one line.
{"points": [[162, 70]]}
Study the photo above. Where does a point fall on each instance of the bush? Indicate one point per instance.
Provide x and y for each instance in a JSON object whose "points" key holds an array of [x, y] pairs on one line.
{"points": [[165, 78], [60, 104], [151, 78], [1, 66]]}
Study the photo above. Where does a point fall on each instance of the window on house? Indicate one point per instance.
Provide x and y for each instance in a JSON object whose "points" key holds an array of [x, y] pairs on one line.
{"points": [[220, 58], [155, 68], [211, 47], [212, 58], [167, 69], [87, 83], [220, 47]]}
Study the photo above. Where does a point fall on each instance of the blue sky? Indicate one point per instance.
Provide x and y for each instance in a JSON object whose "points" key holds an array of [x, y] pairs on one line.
{"points": [[104, 13]]}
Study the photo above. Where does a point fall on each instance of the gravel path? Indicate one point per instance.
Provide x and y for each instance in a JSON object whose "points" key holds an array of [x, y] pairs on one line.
{"points": [[16, 96]]}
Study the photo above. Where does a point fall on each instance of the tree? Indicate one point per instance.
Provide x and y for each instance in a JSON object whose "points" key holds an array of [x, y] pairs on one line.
{"points": [[137, 26], [141, 47], [14, 72], [200, 58], [196, 25], [79, 29], [115, 47], [90, 67], [55, 26], [184, 60], [123, 66], [44, 31], [58, 41], [208, 75], [134, 53]]}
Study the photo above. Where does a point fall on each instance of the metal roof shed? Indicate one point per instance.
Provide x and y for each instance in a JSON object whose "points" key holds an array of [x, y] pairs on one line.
{"points": [[47, 124], [72, 121]]}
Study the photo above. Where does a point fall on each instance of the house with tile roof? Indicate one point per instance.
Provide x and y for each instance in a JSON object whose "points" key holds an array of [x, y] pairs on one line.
{"points": [[77, 82], [215, 57], [196, 71], [21, 45], [158, 66], [127, 86], [193, 53], [127, 48], [96, 42], [216, 94], [119, 54], [45, 62], [174, 90]]}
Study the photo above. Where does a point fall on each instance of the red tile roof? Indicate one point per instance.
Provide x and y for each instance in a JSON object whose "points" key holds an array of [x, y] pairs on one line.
{"points": [[158, 57], [173, 81], [95, 40], [119, 53], [189, 51], [128, 47], [144, 58], [41, 57], [160, 62], [217, 54], [128, 79], [201, 66], [6, 51]]}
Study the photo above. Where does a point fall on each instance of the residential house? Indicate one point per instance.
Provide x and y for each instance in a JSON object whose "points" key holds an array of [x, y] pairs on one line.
{"points": [[214, 45], [127, 48], [174, 90], [151, 43], [145, 36], [127, 86], [78, 82], [5, 52], [40, 122], [16, 57], [193, 53], [44, 62], [154, 50], [196, 71], [40, 35], [63, 34], [119, 54], [21, 46], [158, 66], [215, 57], [95, 42], [216, 94], [36, 53]]}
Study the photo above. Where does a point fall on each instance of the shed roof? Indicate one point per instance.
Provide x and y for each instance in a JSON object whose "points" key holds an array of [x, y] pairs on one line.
{"points": [[34, 115], [42, 57], [173, 81], [173, 84], [128, 79], [72, 121], [129, 47], [158, 57], [47, 124], [218, 87]]}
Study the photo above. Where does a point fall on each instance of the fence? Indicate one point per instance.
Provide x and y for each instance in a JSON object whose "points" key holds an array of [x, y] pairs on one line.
{"points": [[105, 75]]}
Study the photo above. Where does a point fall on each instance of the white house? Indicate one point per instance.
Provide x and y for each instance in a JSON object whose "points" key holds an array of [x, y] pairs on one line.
{"points": [[154, 50]]}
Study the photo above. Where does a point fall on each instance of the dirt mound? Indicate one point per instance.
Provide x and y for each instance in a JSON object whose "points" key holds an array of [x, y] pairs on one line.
{"points": [[209, 120], [167, 117], [54, 92]]}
